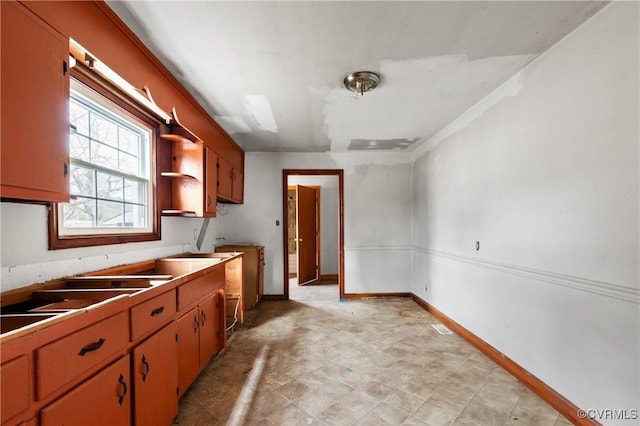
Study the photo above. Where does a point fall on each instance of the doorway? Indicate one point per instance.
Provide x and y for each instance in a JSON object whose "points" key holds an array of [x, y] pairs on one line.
{"points": [[313, 230]]}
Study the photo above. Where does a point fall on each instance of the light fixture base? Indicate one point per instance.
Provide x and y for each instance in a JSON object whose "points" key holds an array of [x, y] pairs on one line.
{"points": [[360, 82]]}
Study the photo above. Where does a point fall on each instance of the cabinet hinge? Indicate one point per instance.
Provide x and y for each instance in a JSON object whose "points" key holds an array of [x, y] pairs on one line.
{"points": [[176, 337], [177, 391]]}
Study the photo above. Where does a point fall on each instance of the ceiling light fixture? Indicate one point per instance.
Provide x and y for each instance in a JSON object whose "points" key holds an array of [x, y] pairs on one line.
{"points": [[360, 82]]}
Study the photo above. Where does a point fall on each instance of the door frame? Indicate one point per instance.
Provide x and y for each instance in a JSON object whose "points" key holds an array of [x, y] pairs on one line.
{"points": [[285, 229]]}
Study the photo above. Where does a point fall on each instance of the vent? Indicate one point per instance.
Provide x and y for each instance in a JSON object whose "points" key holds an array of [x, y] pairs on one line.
{"points": [[441, 329]]}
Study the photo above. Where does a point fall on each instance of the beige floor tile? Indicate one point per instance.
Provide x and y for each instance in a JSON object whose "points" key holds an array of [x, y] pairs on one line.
{"points": [[359, 402], [339, 415], [293, 390], [531, 410], [384, 414], [404, 401], [434, 415], [291, 415]]}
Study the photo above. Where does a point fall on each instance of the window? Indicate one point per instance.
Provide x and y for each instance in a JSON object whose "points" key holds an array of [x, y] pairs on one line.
{"points": [[111, 148]]}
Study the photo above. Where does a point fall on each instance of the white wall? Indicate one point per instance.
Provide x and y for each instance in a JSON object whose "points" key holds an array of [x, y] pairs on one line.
{"points": [[329, 219], [544, 173], [377, 204], [26, 258]]}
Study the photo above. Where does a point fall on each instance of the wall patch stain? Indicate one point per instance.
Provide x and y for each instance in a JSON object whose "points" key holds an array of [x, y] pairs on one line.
{"points": [[232, 125], [259, 108], [382, 145]]}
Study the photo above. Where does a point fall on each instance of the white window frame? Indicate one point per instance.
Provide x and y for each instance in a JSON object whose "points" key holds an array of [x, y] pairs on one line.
{"points": [[105, 107]]}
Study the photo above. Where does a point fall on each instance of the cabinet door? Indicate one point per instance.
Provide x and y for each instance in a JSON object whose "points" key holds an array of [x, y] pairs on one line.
{"points": [[14, 383], [35, 108], [225, 182], [188, 349], [211, 183], [155, 377], [208, 329], [102, 400], [238, 185]]}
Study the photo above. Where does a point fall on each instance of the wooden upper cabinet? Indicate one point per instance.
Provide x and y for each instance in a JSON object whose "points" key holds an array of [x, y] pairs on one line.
{"points": [[225, 179], [230, 181], [191, 174], [211, 183], [35, 105]]}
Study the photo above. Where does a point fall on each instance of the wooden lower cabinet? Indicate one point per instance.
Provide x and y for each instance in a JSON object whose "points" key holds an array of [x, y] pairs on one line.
{"points": [[104, 399], [188, 349], [155, 378], [199, 338], [252, 270], [14, 385]]}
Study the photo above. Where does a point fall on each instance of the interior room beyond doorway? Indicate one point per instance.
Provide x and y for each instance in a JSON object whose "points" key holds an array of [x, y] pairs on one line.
{"points": [[313, 234]]}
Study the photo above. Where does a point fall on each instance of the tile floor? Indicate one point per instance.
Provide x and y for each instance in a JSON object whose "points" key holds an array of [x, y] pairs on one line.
{"points": [[319, 361]]}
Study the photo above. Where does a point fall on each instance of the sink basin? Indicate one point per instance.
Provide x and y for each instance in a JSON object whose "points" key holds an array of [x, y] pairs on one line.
{"points": [[10, 322], [177, 266]]}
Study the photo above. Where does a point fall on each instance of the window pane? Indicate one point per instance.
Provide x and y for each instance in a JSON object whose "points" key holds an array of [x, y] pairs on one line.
{"points": [[104, 155], [79, 117], [82, 181], [109, 186], [79, 213], [129, 164], [79, 147], [104, 130], [110, 214], [135, 216], [129, 141], [134, 191]]}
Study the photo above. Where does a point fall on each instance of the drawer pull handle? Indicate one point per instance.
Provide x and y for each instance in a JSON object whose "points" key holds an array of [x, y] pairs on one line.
{"points": [[157, 311], [92, 347], [146, 368], [123, 389], [196, 324], [204, 318]]}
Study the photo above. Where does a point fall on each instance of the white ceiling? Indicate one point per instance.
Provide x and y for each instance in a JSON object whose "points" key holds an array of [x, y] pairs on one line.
{"points": [[270, 72]]}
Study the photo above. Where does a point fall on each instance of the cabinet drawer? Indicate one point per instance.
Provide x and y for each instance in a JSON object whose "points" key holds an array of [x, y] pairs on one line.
{"points": [[195, 290], [14, 381], [65, 359], [152, 314], [104, 399]]}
